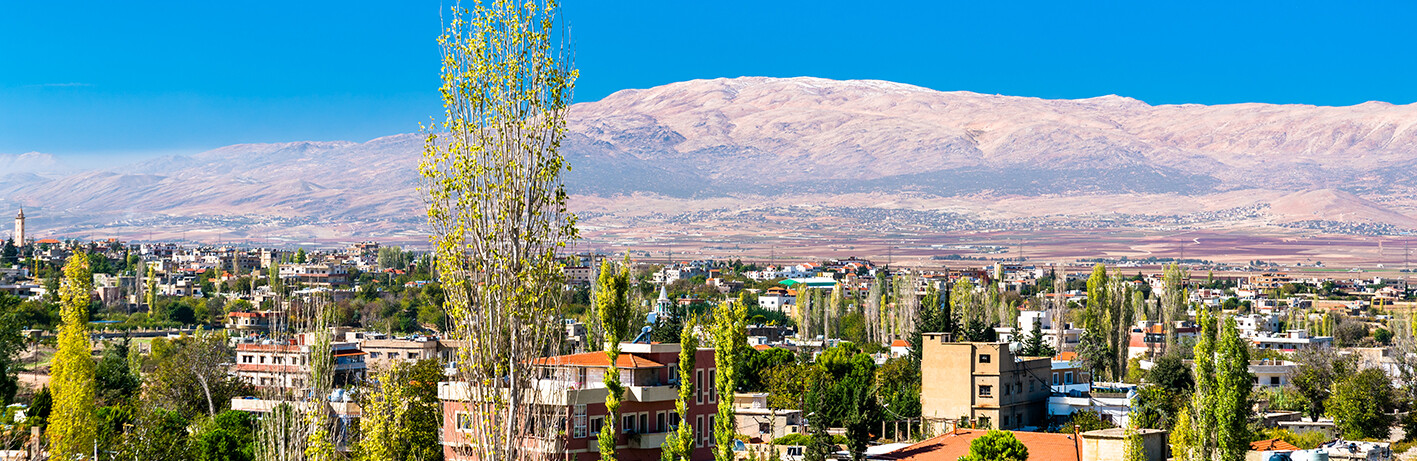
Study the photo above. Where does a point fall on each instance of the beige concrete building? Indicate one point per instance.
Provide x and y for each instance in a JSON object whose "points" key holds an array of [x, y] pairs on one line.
{"points": [[387, 351], [983, 382]]}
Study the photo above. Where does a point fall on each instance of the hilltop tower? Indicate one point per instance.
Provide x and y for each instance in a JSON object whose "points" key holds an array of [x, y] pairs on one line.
{"points": [[20, 228]]}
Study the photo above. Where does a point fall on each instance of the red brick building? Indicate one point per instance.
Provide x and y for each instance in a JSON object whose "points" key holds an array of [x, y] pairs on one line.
{"points": [[650, 374]]}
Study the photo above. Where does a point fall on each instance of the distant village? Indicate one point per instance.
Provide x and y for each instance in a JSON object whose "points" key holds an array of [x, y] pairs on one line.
{"points": [[1014, 353]]}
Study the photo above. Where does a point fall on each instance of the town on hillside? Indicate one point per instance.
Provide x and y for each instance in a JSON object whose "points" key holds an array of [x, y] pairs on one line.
{"points": [[833, 359]]}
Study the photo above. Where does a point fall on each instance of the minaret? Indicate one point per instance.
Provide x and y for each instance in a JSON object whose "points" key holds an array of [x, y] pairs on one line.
{"points": [[20, 228], [662, 305]]}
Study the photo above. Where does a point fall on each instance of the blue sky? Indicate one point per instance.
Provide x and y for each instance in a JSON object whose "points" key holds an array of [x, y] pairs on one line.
{"points": [[101, 82]]}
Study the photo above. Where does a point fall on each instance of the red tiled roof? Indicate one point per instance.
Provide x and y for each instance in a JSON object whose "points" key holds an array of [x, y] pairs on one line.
{"points": [[1066, 356], [267, 347], [899, 343], [1042, 446], [1272, 445], [266, 368], [598, 360], [762, 347]]}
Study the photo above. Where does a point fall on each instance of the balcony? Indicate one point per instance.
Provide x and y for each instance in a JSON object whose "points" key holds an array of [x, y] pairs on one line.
{"points": [[651, 440], [652, 393]]}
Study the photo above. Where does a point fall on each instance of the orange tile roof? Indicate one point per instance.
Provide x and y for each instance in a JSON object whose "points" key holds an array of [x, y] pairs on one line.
{"points": [[1272, 445], [1066, 356], [1042, 446], [598, 360], [762, 347], [899, 343]]}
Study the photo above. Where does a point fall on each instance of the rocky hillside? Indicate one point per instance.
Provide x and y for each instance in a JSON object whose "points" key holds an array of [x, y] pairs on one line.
{"points": [[767, 137]]}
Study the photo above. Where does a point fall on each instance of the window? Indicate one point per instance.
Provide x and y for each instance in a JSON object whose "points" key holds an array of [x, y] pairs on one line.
{"points": [[699, 431], [673, 419], [596, 424], [1018, 388], [1274, 380], [699, 386], [1068, 378], [579, 421], [373, 355], [660, 423], [1055, 379], [986, 391], [245, 359], [644, 422], [1030, 385], [708, 435], [413, 356], [763, 428], [463, 421], [983, 358], [712, 396], [1007, 388], [1006, 422], [627, 423]]}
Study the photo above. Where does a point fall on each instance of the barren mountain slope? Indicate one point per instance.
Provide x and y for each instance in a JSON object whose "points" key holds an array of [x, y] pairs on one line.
{"points": [[750, 140]]}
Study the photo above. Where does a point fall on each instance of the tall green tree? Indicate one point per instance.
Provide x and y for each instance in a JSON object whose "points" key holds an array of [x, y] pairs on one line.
{"points": [[1034, 345], [612, 305], [402, 417], [935, 317], [679, 445], [72, 423], [729, 338], [1318, 371], [1198, 441], [12, 342], [1362, 405], [845, 395], [1233, 383]]}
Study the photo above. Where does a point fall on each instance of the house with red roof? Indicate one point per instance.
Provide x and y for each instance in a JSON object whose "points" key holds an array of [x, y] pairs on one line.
{"points": [[650, 374]]}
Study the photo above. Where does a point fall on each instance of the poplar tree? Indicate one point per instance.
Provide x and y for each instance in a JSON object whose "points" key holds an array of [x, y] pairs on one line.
{"points": [[498, 212], [679, 445], [72, 423], [729, 337], [1201, 437], [612, 305], [1233, 384], [152, 289]]}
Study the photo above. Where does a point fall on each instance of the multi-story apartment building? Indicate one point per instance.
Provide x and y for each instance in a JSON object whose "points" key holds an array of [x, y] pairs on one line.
{"points": [[286, 364], [575, 386], [253, 321], [983, 382], [1268, 281], [384, 352], [319, 274]]}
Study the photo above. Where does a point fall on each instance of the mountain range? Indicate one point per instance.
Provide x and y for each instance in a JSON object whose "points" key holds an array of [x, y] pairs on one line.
{"points": [[743, 142]]}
